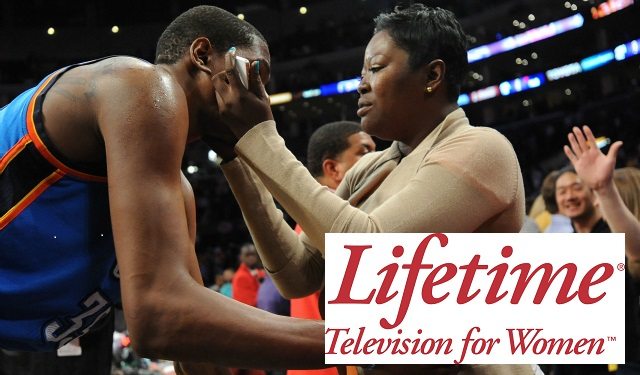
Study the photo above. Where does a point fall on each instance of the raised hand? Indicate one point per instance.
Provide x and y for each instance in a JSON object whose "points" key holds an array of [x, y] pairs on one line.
{"points": [[593, 167]]}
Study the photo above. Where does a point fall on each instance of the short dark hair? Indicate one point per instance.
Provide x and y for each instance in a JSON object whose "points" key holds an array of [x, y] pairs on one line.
{"points": [[223, 29], [327, 142], [427, 34], [548, 192]]}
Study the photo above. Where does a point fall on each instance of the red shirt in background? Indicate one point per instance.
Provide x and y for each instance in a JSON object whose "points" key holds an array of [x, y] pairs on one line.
{"points": [[307, 308]]}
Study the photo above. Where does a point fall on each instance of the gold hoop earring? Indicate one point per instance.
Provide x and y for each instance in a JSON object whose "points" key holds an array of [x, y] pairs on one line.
{"points": [[428, 89]]}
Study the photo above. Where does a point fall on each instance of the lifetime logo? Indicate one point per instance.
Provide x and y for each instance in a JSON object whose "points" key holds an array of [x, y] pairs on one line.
{"points": [[478, 298], [442, 273]]}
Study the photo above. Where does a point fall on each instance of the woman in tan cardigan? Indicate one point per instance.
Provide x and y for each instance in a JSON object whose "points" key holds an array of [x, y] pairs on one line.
{"points": [[440, 174]]}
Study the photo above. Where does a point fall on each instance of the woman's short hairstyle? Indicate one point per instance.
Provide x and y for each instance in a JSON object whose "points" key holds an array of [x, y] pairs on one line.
{"points": [[428, 34]]}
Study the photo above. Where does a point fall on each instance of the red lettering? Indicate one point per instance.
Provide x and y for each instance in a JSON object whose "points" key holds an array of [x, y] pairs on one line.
{"points": [[469, 275], [587, 281], [415, 267], [500, 271], [547, 278], [344, 295], [431, 281], [390, 270]]}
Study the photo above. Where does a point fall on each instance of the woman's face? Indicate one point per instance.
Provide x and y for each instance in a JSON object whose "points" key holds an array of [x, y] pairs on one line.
{"points": [[391, 94]]}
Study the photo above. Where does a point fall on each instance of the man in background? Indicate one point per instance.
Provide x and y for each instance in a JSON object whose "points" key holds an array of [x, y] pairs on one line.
{"points": [[246, 280]]}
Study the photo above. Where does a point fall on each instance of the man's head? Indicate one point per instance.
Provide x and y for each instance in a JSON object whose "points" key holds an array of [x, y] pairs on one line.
{"points": [[221, 28], [193, 48], [249, 255], [574, 199], [334, 148]]}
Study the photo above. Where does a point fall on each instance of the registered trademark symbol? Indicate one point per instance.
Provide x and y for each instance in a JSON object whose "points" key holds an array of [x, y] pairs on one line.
{"points": [[620, 266]]}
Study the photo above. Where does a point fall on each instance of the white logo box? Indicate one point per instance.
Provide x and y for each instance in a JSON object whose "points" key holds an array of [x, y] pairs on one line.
{"points": [[577, 320]]}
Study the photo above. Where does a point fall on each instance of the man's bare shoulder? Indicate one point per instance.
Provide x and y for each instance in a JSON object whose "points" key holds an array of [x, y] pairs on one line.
{"points": [[126, 70]]}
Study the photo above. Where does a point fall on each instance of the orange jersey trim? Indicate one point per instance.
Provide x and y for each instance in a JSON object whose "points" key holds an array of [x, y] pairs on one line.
{"points": [[29, 198], [31, 128], [13, 152]]}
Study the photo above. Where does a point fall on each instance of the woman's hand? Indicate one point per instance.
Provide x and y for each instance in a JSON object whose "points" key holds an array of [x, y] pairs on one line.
{"points": [[240, 108]]}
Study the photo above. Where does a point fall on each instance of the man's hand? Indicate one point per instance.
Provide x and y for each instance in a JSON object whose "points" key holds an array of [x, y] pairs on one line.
{"points": [[240, 108], [593, 167]]}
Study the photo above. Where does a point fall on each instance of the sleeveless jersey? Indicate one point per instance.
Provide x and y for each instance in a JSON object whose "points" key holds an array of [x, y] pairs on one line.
{"points": [[58, 273]]}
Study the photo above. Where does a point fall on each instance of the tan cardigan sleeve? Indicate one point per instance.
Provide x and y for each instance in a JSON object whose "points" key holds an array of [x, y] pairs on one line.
{"points": [[297, 269], [439, 198]]}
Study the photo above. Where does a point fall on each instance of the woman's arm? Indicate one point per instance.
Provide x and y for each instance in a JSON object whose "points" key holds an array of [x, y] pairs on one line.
{"points": [[442, 196], [296, 267]]}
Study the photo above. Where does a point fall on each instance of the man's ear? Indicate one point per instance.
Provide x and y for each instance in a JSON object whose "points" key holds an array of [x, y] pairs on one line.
{"points": [[201, 53], [330, 168], [434, 72]]}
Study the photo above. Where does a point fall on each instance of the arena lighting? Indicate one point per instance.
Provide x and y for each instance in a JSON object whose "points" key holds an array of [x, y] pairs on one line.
{"points": [[608, 7], [528, 37], [563, 71], [602, 142], [212, 156], [281, 98], [532, 81], [484, 94], [348, 85], [311, 93], [521, 84], [536, 80], [595, 61], [626, 50], [340, 87], [463, 99]]}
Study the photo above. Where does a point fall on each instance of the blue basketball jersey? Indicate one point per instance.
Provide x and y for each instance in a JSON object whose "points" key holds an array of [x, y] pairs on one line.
{"points": [[58, 273]]}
